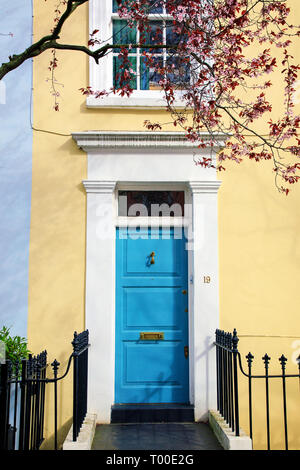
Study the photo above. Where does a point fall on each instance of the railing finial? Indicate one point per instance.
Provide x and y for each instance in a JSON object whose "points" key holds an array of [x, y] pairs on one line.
{"points": [[283, 361], [235, 340]]}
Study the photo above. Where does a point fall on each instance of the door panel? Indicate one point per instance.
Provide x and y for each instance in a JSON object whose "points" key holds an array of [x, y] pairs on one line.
{"points": [[138, 259], [151, 298], [142, 307]]}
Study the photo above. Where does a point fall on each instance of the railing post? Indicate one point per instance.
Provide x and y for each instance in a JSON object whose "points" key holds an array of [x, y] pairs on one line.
{"points": [[282, 361], [43, 387], [55, 365], [33, 405], [218, 369], [75, 387], [221, 374], [266, 360], [37, 404], [28, 402], [235, 341], [80, 369], [17, 369], [250, 358], [225, 378], [22, 403], [230, 398], [3, 405]]}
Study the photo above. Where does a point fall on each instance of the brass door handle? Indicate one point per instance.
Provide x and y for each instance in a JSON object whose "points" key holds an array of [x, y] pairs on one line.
{"points": [[152, 261]]}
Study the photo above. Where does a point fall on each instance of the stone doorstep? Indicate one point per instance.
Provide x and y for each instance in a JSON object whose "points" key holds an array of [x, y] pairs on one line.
{"points": [[224, 434], [85, 437]]}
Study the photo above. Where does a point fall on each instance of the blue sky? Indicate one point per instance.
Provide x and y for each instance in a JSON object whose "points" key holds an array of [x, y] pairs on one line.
{"points": [[15, 167]]}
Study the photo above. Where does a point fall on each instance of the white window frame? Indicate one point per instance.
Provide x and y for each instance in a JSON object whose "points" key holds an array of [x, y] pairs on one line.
{"points": [[101, 75]]}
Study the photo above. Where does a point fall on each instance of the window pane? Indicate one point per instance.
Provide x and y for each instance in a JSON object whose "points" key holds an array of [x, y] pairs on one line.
{"points": [[115, 6], [151, 203], [152, 6], [149, 75], [153, 35], [155, 6], [173, 35], [173, 4], [178, 70], [118, 63], [122, 34]]}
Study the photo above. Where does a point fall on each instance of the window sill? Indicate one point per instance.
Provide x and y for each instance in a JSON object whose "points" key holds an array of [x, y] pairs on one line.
{"points": [[136, 100]]}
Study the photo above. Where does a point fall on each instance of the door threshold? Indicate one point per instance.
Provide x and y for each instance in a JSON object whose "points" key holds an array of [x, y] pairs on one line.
{"points": [[152, 413], [151, 404]]}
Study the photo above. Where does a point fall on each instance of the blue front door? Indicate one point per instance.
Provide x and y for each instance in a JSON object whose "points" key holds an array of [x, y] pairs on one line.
{"points": [[151, 317]]}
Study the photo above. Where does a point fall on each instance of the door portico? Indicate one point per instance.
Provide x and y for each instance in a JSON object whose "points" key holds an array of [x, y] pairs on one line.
{"points": [[162, 161]]}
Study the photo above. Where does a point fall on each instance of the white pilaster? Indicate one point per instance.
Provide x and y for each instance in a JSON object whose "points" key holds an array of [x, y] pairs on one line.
{"points": [[205, 305], [100, 296]]}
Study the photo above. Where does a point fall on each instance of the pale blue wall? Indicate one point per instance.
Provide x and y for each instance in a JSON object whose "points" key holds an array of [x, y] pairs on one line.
{"points": [[15, 167]]}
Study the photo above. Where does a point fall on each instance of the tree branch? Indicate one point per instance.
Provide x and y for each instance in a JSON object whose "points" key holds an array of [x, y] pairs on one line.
{"points": [[43, 44], [50, 42], [101, 51]]}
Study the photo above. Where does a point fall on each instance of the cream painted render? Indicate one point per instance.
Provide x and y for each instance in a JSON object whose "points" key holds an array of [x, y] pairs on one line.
{"points": [[259, 243]]}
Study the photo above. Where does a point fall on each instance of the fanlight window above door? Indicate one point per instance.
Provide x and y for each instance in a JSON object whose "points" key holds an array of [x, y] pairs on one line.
{"points": [[151, 203]]}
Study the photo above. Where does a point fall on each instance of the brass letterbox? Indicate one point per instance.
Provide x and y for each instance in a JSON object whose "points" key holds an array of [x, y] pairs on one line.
{"points": [[151, 335]]}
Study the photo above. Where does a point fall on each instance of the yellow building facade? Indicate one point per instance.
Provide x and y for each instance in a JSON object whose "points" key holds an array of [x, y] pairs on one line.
{"points": [[248, 236]]}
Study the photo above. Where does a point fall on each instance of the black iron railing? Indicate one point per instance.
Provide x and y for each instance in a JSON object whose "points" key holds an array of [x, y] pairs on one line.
{"points": [[80, 377], [22, 396], [229, 365], [22, 399], [227, 378]]}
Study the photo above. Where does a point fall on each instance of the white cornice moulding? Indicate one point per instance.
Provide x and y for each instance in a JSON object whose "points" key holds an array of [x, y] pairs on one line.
{"points": [[146, 185], [102, 187], [200, 187], [95, 140]]}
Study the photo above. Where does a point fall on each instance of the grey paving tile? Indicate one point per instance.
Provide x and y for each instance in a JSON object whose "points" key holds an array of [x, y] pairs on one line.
{"points": [[155, 436]]}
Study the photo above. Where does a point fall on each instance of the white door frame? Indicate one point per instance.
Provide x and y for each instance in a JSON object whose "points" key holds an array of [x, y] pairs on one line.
{"points": [[121, 160]]}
